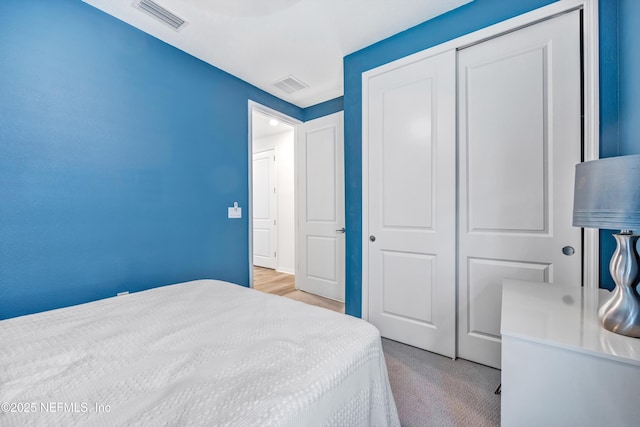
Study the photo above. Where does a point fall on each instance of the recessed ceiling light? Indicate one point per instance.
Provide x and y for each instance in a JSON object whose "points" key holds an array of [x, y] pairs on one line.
{"points": [[273, 122]]}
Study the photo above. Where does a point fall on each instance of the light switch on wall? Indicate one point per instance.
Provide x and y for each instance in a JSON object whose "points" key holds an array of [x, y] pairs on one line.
{"points": [[235, 211]]}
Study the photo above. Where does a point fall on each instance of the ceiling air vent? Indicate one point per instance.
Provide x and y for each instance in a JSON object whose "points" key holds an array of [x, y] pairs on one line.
{"points": [[160, 13], [290, 84]]}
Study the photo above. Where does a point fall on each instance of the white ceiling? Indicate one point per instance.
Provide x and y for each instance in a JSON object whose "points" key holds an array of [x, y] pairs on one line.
{"points": [[261, 126], [262, 41]]}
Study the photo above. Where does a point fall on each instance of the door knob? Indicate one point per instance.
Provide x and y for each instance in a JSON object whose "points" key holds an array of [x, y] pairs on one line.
{"points": [[372, 238], [568, 250], [342, 230]]}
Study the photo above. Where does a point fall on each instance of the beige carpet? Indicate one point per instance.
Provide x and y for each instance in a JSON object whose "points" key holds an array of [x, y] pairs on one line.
{"points": [[433, 390]]}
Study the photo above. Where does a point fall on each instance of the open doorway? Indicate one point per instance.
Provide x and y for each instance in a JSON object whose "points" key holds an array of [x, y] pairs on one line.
{"points": [[273, 224], [273, 202]]}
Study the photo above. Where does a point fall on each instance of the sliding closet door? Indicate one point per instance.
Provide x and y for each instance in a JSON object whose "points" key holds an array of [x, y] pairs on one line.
{"points": [[519, 136], [411, 203]]}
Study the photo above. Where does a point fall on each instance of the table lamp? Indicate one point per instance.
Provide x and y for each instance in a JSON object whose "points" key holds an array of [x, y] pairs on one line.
{"points": [[607, 195]]}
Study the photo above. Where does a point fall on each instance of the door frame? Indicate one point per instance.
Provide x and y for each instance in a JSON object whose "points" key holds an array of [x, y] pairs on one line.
{"points": [[254, 106], [591, 141]]}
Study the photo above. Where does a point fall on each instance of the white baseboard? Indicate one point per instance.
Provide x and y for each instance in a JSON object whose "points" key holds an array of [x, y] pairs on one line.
{"points": [[285, 270]]}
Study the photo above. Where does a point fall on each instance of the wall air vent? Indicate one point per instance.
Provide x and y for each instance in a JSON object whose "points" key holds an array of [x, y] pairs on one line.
{"points": [[290, 84], [160, 13]]}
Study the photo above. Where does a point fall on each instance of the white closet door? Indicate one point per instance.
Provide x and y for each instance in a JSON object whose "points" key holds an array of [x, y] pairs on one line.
{"points": [[321, 234], [411, 203], [264, 209], [519, 140]]}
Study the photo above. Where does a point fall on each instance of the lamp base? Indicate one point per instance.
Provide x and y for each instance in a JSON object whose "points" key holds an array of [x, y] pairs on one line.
{"points": [[621, 313]]}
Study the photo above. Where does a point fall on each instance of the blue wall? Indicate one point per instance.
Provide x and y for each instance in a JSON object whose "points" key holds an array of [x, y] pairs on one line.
{"points": [[609, 112], [629, 84], [609, 124], [119, 155], [323, 109], [619, 96]]}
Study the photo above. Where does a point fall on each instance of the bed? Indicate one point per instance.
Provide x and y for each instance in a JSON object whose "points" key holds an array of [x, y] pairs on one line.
{"points": [[203, 352]]}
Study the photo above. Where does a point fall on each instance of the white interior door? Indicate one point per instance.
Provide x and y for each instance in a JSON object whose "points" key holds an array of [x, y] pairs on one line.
{"points": [[519, 140], [320, 202], [411, 203], [264, 209]]}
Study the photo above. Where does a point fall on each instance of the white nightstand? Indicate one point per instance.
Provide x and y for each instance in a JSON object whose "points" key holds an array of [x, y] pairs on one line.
{"points": [[559, 366]]}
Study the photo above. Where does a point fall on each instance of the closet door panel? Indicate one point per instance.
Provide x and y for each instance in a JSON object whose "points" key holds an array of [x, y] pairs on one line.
{"points": [[411, 203], [519, 140]]}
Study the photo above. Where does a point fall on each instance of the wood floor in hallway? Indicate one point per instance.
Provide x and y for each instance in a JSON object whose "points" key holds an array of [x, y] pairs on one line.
{"points": [[283, 284]]}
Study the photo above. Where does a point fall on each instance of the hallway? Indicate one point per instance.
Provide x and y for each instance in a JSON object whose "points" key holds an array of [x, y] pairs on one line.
{"points": [[283, 284]]}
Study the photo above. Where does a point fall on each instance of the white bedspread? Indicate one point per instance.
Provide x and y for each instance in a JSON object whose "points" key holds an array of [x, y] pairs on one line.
{"points": [[198, 353]]}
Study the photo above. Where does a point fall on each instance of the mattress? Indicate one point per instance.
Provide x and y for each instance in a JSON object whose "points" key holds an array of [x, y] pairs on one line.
{"points": [[204, 352]]}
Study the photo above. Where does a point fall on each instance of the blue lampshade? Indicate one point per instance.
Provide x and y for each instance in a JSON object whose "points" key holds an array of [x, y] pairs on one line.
{"points": [[607, 194]]}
